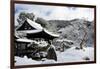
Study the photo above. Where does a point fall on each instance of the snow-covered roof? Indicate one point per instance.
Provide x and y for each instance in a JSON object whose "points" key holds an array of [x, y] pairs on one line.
{"points": [[19, 25], [38, 28], [24, 40], [61, 40], [31, 31], [34, 24], [51, 33]]}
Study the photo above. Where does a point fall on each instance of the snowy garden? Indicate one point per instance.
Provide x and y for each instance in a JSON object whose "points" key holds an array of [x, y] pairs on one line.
{"points": [[70, 55]]}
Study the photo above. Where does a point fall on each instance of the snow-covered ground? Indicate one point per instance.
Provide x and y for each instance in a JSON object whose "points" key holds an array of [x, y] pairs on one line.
{"points": [[29, 61], [73, 55], [69, 55]]}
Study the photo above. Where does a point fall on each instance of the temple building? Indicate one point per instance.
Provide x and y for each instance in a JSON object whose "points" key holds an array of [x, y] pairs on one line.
{"points": [[25, 34]]}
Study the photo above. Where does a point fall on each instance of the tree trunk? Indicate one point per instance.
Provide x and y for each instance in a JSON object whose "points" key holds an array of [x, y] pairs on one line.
{"points": [[85, 36]]}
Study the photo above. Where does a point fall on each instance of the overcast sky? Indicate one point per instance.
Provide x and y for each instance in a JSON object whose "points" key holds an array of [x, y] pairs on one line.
{"points": [[55, 12]]}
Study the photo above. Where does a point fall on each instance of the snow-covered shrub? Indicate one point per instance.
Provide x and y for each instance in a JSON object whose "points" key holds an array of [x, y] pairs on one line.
{"points": [[86, 58]]}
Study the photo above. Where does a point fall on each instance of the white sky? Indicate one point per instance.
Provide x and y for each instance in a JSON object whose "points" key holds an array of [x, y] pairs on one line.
{"points": [[56, 12]]}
